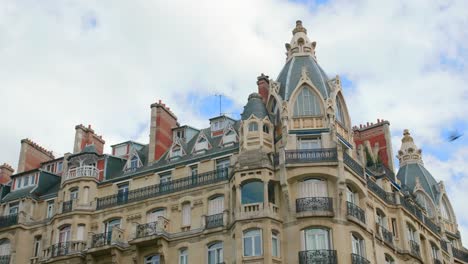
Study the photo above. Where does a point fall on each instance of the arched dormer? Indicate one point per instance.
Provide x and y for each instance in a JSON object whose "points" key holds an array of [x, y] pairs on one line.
{"points": [[201, 144], [176, 151], [307, 103], [256, 127], [134, 162]]}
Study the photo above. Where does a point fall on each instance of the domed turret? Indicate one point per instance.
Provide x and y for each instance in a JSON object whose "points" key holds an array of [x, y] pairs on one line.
{"points": [[254, 106]]}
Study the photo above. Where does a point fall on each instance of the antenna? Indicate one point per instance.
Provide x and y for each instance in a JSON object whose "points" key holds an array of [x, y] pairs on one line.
{"points": [[219, 95]]}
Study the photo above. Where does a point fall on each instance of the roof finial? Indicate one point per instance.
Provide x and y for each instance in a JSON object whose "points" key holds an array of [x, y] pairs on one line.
{"points": [[299, 27]]}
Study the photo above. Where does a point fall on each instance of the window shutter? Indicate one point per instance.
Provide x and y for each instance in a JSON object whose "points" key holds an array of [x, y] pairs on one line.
{"points": [[80, 232], [216, 206], [186, 210]]}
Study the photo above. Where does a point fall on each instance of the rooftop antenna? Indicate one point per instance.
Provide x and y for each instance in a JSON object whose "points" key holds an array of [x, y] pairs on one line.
{"points": [[219, 95]]}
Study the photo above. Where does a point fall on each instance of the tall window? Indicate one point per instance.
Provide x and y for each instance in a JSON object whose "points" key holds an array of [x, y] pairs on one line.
{"points": [[59, 166], [358, 245], [444, 210], [50, 209], [216, 205], [253, 243], [37, 245], [186, 211], [74, 194], [316, 239], [275, 245], [5, 247], [194, 170], [307, 103], [425, 203], [434, 251], [351, 195], [411, 231], [339, 111], [109, 225], [183, 256], [122, 192], [80, 232], [252, 192], [215, 253], [312, 187], [134, 162], [155, 259], [165, 177], [389, 259], [64, 234], [381, 220], [253, 126], [154, 215]]}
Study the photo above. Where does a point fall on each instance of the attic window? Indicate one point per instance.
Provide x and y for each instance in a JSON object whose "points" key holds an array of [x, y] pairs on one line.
{"points": [[229, 138], [25, 181], [202, 144], [266, 129], [253, 126], [134, 162], [176, 152]]}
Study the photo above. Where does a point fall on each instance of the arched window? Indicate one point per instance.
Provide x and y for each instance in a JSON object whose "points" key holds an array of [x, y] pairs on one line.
{"points": [[434, 252], [154, 259], [64, 234], [252, 192], [307, 103], [253, 126], [389, 259], [381, 219], [215, 253], [5, 249], [316, 239], [358, 245], [109, 225], [444, 210], [339, 110], [312, 187], [266, 129], [351, 195], [411, 233], [425, 203], [183, 256], [252, 243]]}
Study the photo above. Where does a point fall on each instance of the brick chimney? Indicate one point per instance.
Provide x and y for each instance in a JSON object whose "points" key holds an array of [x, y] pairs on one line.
{"points": [[163, 120], [263, 84], [32, 155], [85, 136], [5, 172]]}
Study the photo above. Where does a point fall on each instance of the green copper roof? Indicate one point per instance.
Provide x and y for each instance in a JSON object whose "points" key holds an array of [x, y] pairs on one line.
{"points": [[408, 174], [292, 72], [254, 106]]}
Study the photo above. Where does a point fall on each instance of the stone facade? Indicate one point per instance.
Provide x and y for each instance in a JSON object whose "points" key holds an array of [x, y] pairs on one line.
{"points": [[288, 183]]}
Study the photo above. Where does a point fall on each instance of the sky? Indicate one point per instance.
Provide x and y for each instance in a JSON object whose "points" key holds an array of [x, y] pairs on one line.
{"points": [[103, 63]]}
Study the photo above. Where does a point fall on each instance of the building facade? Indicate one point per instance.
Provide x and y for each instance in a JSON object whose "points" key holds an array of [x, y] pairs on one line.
{"points": [[292, 181]]}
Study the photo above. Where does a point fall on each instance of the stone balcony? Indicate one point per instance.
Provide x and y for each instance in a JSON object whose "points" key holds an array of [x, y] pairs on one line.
{"points": [[146, 233], [83, 171], [257, 210], [64, 249]]}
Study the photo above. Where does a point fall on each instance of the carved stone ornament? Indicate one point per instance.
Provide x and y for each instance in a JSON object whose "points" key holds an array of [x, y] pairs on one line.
{"points": [[134, 217], [274, 87]]}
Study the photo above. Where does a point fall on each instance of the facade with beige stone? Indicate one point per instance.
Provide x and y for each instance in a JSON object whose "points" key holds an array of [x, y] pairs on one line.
{"points": [[290, 182]]}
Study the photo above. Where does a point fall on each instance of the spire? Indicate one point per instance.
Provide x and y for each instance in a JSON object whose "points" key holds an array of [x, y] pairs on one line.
{"points": [[409, 152], [300, 43]]}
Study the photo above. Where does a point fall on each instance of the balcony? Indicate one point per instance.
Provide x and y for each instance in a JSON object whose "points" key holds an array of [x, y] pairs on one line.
{"points": [[385, 234], [311, 155], [64, 249], [5, 259], [323, 256], [213, 221], [414, 248], [8, 220], [153, 228], [257, 210], [314, 205], [162, 189], [443, 245], [356, 212], [357, 259], [460, 254], [353, 165], [101, 239], [83, 171], [387, 197], [67, 206]]}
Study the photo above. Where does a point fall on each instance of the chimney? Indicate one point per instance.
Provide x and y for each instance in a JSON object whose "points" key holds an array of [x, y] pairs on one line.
{"points": [[32, 155], [85, 136], [5, 172], [163, 120], [263, 87]]}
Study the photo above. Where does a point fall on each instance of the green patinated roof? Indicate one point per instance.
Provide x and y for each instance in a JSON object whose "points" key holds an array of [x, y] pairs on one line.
{"points": [[254, 106], [291, 74], [48, 185], [408, 174], [17, 194]]}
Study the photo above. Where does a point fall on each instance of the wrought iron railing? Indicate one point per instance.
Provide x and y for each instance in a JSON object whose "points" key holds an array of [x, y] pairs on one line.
{"points": [[388, 197], [460, 254], [163, 188], [323, 256], [8, 220], [213, 221], [311, 155], [83, 171], [65, 248], [5, 259], [101, 239], [353, 165], [358, 259], [356, 212], [419, 214], [387, 236], [67, 206], [381, 169], [414, 247], [314, 204], [153, 228], [443, 245]]}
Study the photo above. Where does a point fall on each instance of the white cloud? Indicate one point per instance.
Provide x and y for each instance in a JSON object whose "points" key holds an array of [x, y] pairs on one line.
{"points": [[70, 62]]}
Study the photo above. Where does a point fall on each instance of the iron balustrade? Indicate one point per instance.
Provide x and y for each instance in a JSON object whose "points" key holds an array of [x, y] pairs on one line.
{"points": [[431, 225], [213, 221], [386, 234], [5, 259], [419, 214], [358, 259], [314, 204], [276, 159], [381, 169], [460, 254], [67, 206], [8, 220], [323, 256], [356, 212], [101, 239], [386, 196], [311, 155], [66, 248], [353, 165], [162, 188], [149, 229], [443, 245], [414, 247]]}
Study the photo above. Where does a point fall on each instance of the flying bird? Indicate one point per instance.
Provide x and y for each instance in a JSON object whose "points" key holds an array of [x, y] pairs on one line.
{"points": [[454, 135]]}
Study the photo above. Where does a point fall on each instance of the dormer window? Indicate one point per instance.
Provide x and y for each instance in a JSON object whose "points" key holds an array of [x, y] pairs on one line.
{"points": [[25, 181], [230, 137], [134, 162], [176, 152], [253, 126], [266, 129], [217, 125], [202, 144]]}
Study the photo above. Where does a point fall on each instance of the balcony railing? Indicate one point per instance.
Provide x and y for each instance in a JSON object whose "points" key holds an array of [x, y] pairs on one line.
{"points": [[67, 206], [101, 239], [65, 248], [437, 261], [357, 259], [353, 165], [153, 228], [314, 204], [8, 220], [443, 245], [419, 214], [386, 235], [388, 197], [213, 221], [323, 256], [83, 171], [356, 212], [311, 155], [5, 259], [460, 254], [163, 188], [414, 247]]}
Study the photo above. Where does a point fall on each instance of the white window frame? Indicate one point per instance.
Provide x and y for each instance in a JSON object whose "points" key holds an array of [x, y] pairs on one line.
{"points": [[317, 235], [358, 245], [275, 245], [13, 206], [217, 249], [50, 208], [153, 259], [183, 256], [309, 143], [251, 235]]}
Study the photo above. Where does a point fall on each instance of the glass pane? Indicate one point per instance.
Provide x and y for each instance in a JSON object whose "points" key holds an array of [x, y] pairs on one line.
{"points": [[252, 193], [274, 243], [258, 245], [248, 246]]}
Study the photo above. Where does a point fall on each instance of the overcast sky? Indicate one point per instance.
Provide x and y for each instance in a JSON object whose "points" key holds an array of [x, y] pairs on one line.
{"points": [[64, 63]]}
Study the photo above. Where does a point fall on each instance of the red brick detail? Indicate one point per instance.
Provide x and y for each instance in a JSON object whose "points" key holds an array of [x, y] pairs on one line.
{"points": [[88, 137], [100, 166], [5, 172], [165, 122], [263, 87], [32, 155], [374, 133], [217, 133]]}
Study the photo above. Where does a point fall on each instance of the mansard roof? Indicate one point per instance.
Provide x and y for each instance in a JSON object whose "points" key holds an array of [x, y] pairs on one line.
{"points": [[48, 186], [254, 106]]}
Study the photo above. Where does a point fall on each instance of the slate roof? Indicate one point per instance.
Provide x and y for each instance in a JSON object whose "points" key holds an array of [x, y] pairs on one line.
{"points": [[408, 173], [291, 74], [48, 186], [254, 106]]}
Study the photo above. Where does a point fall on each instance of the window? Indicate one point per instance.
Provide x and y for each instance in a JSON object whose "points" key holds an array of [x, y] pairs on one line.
{"points": [[19, 180], [307, 103], [388, 259], [275, 245], [155, 259], [394, 227], [425, 203], [120, 151], [202, 143], [186, 211], [312, 188], [74, 194], [36, 246], [215, 253], [358, 245], [308, 143], [444, 210], [271, 192], [217, 125], [253, 243], [180, 134], [222, 167], [50, 209], [339, 111], [176, 151], [351, 196], [59, 166], [194, 170], [229, 137], [316, 239], [134, 162], [412, 236], [13, 208], [5, 247], [122, 193], [64, 234], [252, 192], [253, 126], [266, 129], [80, 232], [165, 177], [24, 181], [154, 215], [434, 251], [183, 256], [381, 220], [216, 205]]}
